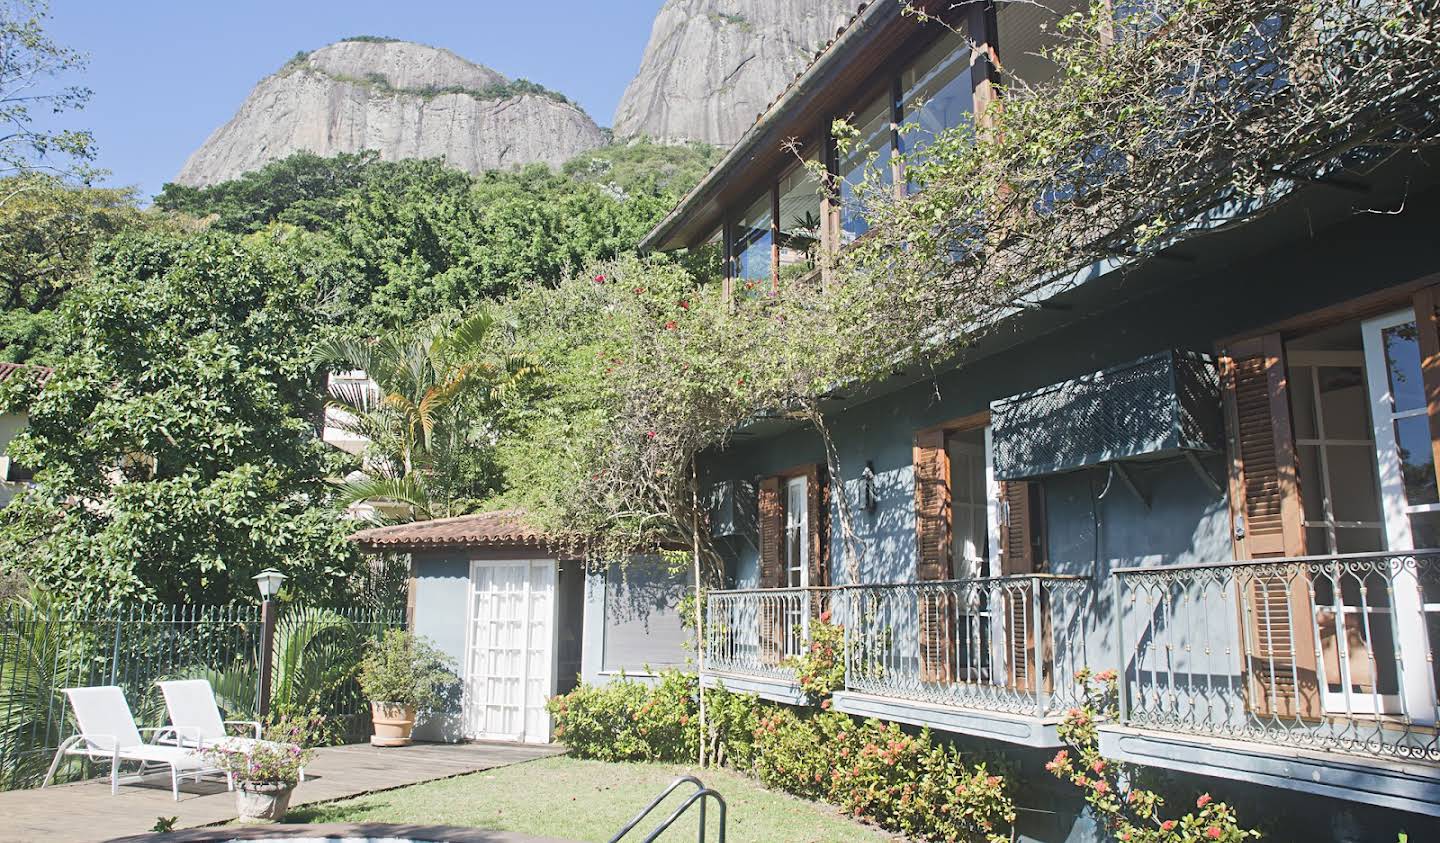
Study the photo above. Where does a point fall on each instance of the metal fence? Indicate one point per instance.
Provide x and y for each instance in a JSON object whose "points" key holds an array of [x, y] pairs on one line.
{"points": [[1326, 652], [46, 648], [999, 643]]}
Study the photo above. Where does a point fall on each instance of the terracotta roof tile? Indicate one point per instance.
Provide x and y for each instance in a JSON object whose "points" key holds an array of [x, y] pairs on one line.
{"points": [[8, 370], [503, 528]]}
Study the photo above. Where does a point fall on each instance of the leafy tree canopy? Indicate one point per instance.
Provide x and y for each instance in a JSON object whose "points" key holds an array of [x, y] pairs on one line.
{"points": [[174, 446], [47, 231]]}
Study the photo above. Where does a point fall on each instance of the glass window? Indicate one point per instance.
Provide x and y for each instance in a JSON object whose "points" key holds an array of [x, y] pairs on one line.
{"points": [[751, 248], [1402, 364], [1027, 31], [935, 94], [866, 159], [799, 222]]}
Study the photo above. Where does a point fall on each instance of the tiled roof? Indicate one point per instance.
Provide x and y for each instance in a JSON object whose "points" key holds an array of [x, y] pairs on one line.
{"points": [[505, 528], [9, 369]]}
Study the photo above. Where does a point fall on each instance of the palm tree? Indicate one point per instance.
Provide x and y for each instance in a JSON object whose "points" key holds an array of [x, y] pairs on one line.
{"points": [[421, 416]]}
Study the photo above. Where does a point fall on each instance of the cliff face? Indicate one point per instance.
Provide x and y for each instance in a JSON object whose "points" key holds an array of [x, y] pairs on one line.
{"points": [[402, 99], [712, 65]]}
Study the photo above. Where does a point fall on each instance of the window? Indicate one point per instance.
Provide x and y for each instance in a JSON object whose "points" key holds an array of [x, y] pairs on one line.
{"points": [[935, 94], [799, 221], [1026, 31], [969, 505], [751, 248], [867, 158], [643, 626]]}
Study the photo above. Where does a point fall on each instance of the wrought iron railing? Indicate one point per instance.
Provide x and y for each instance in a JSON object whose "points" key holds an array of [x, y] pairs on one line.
{"points": [[758, 632], [1009, 644], [1331, 653]]}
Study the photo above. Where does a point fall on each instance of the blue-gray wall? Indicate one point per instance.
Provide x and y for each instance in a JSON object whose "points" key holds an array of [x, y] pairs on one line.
{"points": [[1094, 523]]}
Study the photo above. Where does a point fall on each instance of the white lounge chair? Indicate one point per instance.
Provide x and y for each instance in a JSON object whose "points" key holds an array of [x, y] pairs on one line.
{"points": [[197, 719], [108, 733]]}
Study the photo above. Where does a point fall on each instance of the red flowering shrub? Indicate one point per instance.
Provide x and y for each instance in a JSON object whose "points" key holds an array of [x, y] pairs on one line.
{"points": [[1130, 812], [821, 669]]}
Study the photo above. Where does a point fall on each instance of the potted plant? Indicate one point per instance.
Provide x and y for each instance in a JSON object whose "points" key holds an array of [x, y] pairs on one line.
{"points": [[265, 774], [402, 675]]}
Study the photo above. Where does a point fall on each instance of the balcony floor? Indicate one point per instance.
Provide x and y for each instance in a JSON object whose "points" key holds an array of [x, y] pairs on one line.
{"points": [[1402, 785]]}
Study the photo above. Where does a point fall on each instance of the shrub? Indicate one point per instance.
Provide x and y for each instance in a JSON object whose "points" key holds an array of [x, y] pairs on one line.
{"points": [[873, 771], [1131, 813], [405, 669], [821, 669]]}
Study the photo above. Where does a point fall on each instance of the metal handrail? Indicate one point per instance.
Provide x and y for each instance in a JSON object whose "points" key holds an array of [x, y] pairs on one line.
{"points": [[864, 586], [1276, 560], [700, 794]]}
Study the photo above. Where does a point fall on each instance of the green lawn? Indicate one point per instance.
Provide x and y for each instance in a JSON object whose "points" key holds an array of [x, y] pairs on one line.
{"points": [[590, 800]]}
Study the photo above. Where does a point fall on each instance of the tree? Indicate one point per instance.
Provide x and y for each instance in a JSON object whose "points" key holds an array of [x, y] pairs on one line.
{"points": [[174, 446], [304, 189], [47, 232], [28, 60], [426, 419]]}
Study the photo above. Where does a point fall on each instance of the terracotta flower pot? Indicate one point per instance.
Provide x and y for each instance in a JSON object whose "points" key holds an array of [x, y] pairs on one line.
{"points": [[393, 723], [260, 802]]}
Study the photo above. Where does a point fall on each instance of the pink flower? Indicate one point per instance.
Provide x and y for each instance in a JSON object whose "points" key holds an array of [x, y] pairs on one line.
{"points": [[1098, 766], [650, 434], [825, 616], [670, 325], [1203, 800], [1168, 825], [825, 704], [684, 305], [1213, 832], [1101, 786], [599, 279]]}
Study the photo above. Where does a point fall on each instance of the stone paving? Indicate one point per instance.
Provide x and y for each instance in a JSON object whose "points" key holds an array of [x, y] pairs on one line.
{"points": [[85, 811]]}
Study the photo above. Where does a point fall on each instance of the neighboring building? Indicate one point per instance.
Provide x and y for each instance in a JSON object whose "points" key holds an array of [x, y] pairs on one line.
{"points": [[525, 620], [13, 476], [1212, 472]]}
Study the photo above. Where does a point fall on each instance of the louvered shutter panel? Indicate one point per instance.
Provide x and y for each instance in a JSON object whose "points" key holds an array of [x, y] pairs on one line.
{"points": [[1427, 324], [932, 506], [817, 495], [1020, 554], [771, 527], [933, 544], [1276, 612]]}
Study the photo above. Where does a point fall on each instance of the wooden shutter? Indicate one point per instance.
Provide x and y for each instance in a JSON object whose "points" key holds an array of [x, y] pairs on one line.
{"points": [[932, 506], [1021, 553], [1427, 324], [933, 548], [817, 498], [1265, 513], [771, 528]]}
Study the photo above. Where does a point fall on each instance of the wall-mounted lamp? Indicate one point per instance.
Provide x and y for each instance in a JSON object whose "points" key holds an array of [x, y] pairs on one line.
{"points": [[868, 499]]}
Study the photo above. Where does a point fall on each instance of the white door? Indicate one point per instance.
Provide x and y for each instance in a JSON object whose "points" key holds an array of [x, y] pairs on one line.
{"points": [[1409, 500], [510, 667]]}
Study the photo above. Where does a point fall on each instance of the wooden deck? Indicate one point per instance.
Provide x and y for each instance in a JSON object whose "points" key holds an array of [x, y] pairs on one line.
{"points": [[85, 811]]}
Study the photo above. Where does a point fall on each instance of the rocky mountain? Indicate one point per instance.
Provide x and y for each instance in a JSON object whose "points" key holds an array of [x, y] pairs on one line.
{"points": [[403, 99], [712, 65]]}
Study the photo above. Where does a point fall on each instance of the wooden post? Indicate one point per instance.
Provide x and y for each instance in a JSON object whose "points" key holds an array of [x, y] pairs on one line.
{"points": [[268, 616]]}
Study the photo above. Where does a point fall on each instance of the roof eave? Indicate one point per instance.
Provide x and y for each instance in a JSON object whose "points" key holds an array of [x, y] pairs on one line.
{"points": [[865, 25]]}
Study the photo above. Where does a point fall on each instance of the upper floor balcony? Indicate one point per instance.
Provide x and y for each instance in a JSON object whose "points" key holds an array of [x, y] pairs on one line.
{"points": [[992, 656]]}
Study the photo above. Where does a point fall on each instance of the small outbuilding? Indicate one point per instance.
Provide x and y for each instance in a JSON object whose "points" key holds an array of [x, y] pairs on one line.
{"points": [[525, 619]]}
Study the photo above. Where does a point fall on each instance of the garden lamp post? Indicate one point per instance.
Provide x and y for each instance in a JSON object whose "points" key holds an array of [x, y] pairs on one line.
{"points": [[268, 581]]}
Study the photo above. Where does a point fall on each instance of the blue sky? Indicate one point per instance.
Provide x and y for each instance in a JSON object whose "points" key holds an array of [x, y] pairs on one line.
{"points": [[167, 72]]}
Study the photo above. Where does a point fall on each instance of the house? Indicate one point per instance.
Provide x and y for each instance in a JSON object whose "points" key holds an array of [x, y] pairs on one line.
{"points": [[525, 619], [1212, 472], [14, 477]]}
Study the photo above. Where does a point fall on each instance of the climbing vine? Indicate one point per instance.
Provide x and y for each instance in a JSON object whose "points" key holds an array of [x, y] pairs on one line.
{"points": [[1183, 118]]}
